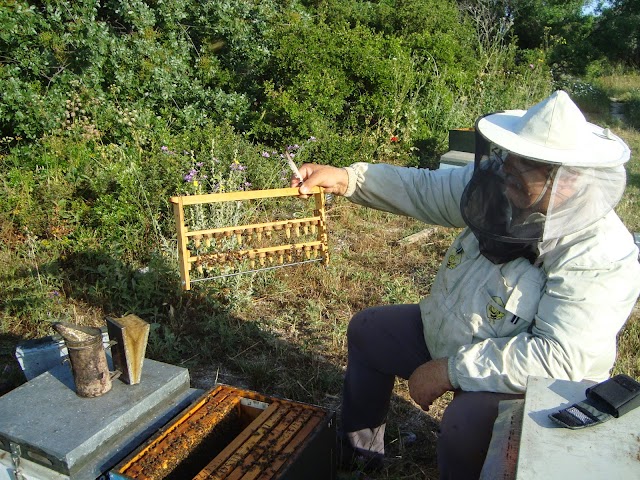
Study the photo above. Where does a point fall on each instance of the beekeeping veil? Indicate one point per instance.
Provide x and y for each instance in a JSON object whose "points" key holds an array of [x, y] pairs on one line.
{"points": [[582, 164]]}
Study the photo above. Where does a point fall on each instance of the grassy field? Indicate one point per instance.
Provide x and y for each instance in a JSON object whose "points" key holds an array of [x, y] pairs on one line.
{"points": [[280, 332]]}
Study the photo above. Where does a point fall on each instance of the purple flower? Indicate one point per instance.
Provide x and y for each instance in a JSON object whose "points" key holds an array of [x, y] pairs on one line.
{"points": [[164, 148], [191, 176], [265, 154], [237, 167], [199, 164]]}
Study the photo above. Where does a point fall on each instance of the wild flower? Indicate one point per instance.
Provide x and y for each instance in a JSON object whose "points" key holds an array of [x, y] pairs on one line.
{"points": [[291, 151], [266, 154], [190, 177], [394, 139], [211, 174], [194, 174], [237, 166]]}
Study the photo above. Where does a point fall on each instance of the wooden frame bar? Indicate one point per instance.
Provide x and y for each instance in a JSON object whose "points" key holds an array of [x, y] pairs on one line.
{"points": [[265, 256]]}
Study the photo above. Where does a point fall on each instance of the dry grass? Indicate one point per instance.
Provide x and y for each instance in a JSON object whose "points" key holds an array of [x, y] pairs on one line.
{"points": [[620, 87], [629, 207]]}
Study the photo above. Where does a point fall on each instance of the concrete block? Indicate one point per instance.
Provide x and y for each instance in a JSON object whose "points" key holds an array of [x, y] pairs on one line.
{"points": [[454, 158], [83, 437]]}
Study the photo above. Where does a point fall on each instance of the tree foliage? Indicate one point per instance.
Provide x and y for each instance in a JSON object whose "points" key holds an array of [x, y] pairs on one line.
{"points": [[617, 32], [573, 33], [558, 27], [278, 71]]}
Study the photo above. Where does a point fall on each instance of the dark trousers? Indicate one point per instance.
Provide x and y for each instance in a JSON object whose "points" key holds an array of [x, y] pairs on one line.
{"points": [[388, 341]]}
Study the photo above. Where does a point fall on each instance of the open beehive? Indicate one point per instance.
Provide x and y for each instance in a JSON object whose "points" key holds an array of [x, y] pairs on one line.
{"points": [[237, 434], [232, 249]]}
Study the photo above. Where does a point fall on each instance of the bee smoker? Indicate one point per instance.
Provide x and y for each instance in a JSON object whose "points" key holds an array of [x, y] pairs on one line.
{"points": [[88, 359]]}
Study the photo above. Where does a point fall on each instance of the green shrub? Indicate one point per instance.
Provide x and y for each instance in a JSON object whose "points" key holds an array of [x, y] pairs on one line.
{"points": [[111, 108], [633, 111]]}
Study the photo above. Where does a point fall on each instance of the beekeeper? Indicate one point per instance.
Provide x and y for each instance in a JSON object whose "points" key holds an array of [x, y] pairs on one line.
{"points": [[539, 282]]}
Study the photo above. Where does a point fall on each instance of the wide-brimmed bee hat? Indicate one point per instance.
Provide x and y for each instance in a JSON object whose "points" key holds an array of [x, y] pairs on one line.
{"points": [[585, 175], [554, 131]]}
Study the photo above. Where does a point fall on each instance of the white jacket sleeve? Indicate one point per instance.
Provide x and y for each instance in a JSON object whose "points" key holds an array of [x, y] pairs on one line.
{"points": [[432, 196]]}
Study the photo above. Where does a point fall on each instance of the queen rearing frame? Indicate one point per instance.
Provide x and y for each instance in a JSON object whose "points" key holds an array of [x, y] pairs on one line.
{"points": [[241, 248]]}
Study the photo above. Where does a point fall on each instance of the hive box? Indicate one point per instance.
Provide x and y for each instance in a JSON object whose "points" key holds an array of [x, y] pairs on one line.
{"points": [[462, 142], [231, 433], [49, 432]]}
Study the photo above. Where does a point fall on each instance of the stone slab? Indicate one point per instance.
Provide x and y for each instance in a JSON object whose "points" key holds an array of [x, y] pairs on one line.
{"points": [[82, 437], [454, 158], [548, 451]]}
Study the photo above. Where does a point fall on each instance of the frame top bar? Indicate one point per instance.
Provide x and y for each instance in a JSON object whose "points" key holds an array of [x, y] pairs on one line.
{"points": [[243, 195]]}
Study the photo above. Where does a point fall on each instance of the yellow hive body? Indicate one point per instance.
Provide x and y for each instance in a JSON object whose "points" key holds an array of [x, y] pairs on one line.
{"points": [[230, 433]]}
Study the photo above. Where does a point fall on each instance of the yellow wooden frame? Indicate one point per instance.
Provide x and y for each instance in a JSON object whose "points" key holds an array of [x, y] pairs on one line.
{"points": [[265, 256]]}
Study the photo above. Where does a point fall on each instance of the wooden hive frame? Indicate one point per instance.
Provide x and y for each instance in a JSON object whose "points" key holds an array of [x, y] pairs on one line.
{"points": [[283, 253]]}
